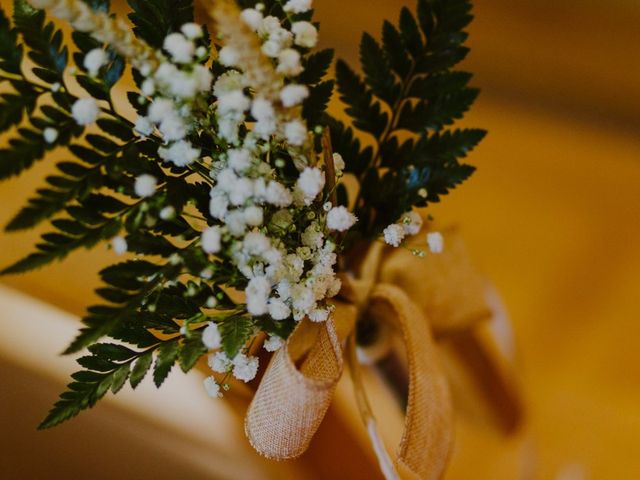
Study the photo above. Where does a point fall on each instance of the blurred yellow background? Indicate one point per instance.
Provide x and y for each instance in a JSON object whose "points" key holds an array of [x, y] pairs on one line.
{"points": [[552, 216]]}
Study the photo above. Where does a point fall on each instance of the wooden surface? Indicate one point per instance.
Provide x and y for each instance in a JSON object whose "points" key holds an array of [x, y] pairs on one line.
{"points": [[552, 216]]}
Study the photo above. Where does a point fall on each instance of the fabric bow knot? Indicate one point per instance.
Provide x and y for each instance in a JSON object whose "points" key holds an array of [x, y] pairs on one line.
{"points": [[421, 300]]}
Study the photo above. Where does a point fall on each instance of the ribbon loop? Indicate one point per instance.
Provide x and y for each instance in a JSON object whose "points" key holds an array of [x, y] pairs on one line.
{"points": [[295, 392]]}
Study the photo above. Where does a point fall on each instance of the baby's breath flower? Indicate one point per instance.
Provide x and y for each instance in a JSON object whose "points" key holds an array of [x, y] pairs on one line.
{"points": [[179, 47], [212, 387], [435, 242], [191, 30], [297, 6], [305, 33], [211, 336], [145, 185], [244, 367], [85, 111], [119, 245], [310, 183], [252, 17], [411, 222], [180, 153], [211, 239], [293, 95], [340, 219], [50, 134], [394, 234], [295, 132], [219, 362], [94, 60], [273, 343]]}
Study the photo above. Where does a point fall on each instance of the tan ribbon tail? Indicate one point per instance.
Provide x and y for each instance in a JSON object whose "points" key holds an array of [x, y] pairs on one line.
{"points": [[295, 392], [428, 432]]}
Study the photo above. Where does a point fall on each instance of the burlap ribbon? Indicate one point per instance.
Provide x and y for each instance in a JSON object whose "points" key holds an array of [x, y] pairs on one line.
{"points": [[420, 299]]}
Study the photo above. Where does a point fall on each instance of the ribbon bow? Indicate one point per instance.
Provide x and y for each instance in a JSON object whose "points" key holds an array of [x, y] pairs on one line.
{"points": [[422, 299]]}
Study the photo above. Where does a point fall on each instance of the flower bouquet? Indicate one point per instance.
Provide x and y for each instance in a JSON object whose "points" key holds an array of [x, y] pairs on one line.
{"points": [[250, 219]]}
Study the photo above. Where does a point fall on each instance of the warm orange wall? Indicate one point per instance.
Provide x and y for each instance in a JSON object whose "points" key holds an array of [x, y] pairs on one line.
{"points": [[552, 216]]}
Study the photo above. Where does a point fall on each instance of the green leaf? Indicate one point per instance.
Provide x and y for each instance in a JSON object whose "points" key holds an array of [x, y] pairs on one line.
{"points": [[316, 65], [378, 73], [14, 107], [191, 351], [316, 103], [361, 105], [120, 377], [112, 351], [236, 332], [167, 355], [44, 42], [10, 50], [140, 369], [154, 20]]}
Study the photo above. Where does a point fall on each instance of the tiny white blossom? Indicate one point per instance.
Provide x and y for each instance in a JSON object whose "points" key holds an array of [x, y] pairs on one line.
{"points": [[271, 48], [181, 153], [179, 47], [211, 336], [173, 128], [435, 242], [235, 223], [242, 191], [278, 310], [148, 87], [191, 30], [412, 222], [119, 245], [310, 183], [50, 134], [289, 62], [257, 293], [233, 102], [239, 159], [340, 219], [394, 234], [228, 82], [338, 163], [211, 239], [94, 60], [293, 94], [143, 126], [253, 216], [270, 25], [319, 315], [212, 388], [167, 213], [219, 362], [256, 243], [273, 343], [218, 204], [312, 237], [278, 195], [297, 6], [295, 132], [145, 185], [85, 111], [252, 17], [245, 368], [228, 56], [161, 108], [305, 33]]}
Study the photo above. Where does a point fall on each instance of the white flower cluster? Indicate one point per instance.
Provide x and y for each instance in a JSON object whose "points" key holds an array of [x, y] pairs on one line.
{"points": [[410, 224], [271, 115], [173, 88]]}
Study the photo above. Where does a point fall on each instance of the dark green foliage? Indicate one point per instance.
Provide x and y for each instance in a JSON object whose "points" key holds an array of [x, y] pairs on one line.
{"points": [[408, 87], [44, 42], [10, 51], [236, 331], [153, 20]]}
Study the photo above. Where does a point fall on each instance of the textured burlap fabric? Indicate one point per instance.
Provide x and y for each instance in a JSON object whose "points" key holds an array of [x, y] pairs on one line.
{"points": [[418, 298]]}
